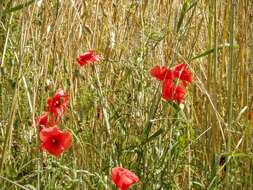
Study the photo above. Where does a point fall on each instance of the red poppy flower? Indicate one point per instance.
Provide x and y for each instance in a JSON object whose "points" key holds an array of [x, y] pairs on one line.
{"points": [[58, 103], [47, 120], [161, 72], [173, 80], [173, 92], [123, 178], [88, 57], [55, 141], [181, 72]]}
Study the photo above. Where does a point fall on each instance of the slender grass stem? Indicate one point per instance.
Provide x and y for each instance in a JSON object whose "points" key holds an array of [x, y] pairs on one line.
{"points": [[105, 109], [230, 86]]}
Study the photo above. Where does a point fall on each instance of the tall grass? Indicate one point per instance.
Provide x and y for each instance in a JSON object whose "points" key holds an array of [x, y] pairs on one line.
{"points": [[116, 112]]}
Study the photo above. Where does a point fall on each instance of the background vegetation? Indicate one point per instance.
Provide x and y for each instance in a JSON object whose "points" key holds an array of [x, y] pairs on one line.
{"points": [[205, 143]]}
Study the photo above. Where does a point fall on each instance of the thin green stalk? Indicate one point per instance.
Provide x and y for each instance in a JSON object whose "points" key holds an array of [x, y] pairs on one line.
{"points": [[105, 109], [230, 85]]}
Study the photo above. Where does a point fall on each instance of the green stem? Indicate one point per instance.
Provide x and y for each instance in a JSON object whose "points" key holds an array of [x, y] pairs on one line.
{"points": [[230, 85], [105, 107]]}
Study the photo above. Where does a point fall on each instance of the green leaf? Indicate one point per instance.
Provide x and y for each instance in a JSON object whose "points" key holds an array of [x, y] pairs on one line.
{"points": [[154, 106], [19, 7], [152, 137], [186, 7], [182, 14], [207, 52]]}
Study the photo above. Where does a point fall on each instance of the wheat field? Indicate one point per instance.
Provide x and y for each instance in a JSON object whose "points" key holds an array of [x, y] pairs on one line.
{"points": [[116, 114]]}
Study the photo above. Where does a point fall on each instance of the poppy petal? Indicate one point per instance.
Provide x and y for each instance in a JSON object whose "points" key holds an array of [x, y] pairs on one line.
{"points": [[181, 72], [167, 89], [158, 72], [66, 140], [42, 119], [55, 150], [46, 133], [179, 93]]}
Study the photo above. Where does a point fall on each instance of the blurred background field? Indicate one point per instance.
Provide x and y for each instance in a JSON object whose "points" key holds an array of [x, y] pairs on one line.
{"points": [[205, 143]]}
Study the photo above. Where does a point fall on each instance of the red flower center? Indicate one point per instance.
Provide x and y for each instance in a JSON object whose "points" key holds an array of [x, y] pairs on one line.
{"points": [[57, 103], [54, 141]]}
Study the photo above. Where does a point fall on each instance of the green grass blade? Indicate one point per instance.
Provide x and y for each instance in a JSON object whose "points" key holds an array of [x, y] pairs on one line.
{"points": [[18, 7], [186, 7], [152, 137], [207, 52]]}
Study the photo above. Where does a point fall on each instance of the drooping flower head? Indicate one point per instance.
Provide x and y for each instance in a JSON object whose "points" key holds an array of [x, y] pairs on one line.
{"points": [[88, 57], [55, 141], [123, 178], [58, 103]]}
